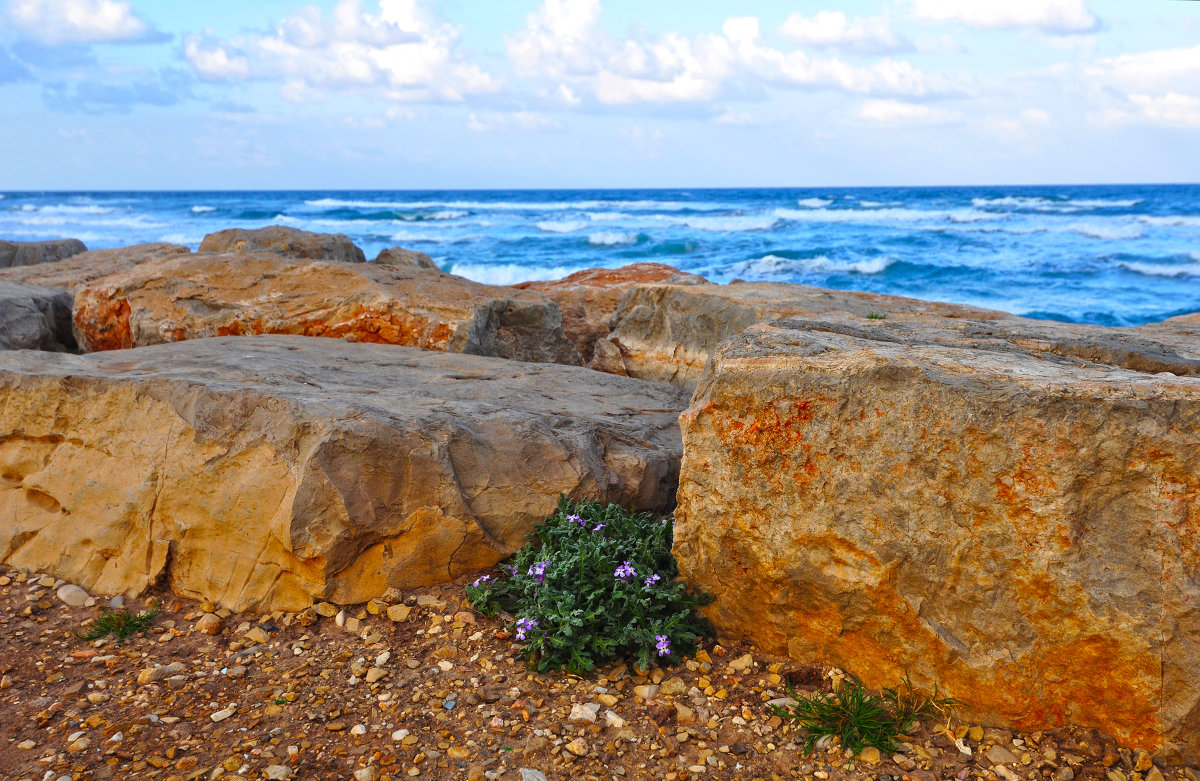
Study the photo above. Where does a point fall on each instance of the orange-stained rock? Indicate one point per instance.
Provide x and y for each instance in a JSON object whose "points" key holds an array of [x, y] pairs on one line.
{"points": [[1018, 525], [588, 299], [667, 332], [207, 295], [268, 472], [282, 240], [76, 271]]}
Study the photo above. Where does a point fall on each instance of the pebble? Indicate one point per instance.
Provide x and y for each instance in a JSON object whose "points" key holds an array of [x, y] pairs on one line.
{"points": [[222, 714], [646, 691], [1001, 756], [741, 664], [1065, 773], [870, 755], [673, 686], [613, 720], [376, 674], [425, 600], [73, 595], [366, 774], [340, 618], [532, 775], [210, 624], [279, 772], [358, 730], [578, 747], [445, 666], [398, 613], [584, 714], [325, 609], [27, 745]]}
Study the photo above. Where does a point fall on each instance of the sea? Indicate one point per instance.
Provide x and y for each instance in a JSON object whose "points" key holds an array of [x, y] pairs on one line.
{"points": [[1112, 255]]}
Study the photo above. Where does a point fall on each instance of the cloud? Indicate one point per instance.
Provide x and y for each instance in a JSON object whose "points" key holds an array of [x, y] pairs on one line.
{"points": [[1170, 109], [1152, 70], [731, 117], [404, 52], [11, 69], [897, 112], [1057, 17], [832, 28], [564, 44], [514, 120], [104, 96], [55, 22]]}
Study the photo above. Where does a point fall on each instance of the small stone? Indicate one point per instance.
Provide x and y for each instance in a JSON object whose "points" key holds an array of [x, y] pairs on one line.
{"points": [[279, 772], [673, 686], [1143, 762], [353, 625], [358, 730], [366, 774], [1154, 774], [399, 735], [210, 624], [458, 752], [222, 714], [445, 666], [684, 715], [870, 755], [376, 674], [1065, 773], [1001, 756], [464, 617], [532, 775], [1116, 775], [325, 609], [376, 606], [584, 714], [613, 721], [578, 747], [256, 636], [340, 618], [425, 600], [741, 664], [383, 658], [73, 595], [975, 733], [608, 699], [78, 745], [646, 691], [27, 745], [398, 613]]}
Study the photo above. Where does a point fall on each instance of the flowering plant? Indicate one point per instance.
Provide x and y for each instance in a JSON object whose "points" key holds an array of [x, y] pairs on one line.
{"points": [[597, 582]]}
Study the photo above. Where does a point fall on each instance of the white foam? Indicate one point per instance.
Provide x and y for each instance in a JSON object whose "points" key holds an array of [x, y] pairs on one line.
{"points": [[1164, 269], [814, 203], [887, 215], [1101, 203], [1107, 232], [561, 226], [1180, 220], [772, 264], [446, 214], [641, 205], [508, 274], [729, 224], [612, 238], [203, 209], [69, 209]]}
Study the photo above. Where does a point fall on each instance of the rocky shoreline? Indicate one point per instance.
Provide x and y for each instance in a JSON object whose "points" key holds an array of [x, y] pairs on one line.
{"points": [[1000, 507]]}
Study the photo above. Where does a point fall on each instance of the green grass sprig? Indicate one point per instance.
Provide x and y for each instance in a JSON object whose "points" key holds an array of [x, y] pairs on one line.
{"points": [[120, 623]]}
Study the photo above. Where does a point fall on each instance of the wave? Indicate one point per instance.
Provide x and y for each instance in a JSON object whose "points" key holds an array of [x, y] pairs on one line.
{"points": [[203, 209], [1107, 232], [1037, 203], [1175, 221], [814, 203], [729, 224], [640, 205], [612, 239], [562, 226], [775, 264], [120, 222], [1170, 270], [509, 274], [887, 215], [67, 210]]}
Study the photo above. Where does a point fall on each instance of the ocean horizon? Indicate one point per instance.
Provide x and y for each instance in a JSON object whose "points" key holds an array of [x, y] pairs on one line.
{"points": [[1105, 254]]}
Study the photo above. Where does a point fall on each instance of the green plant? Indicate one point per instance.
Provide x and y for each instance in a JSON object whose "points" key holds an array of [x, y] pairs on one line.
{"points": [[859, 718], [877, 316], [121, 623], [595, 582]]}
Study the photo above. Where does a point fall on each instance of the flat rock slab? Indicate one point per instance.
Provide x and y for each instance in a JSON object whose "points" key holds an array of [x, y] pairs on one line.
{"points": [[34, 318], [206, 295], [79, 270], [1017, 525], [32, 253], [272, 471], [282, 240]]}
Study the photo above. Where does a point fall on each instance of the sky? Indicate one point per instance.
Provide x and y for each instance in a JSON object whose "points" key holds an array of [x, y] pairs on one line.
{"points": [[417, 94]]}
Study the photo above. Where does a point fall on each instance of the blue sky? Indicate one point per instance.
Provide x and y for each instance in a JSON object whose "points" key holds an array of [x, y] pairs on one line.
{"points": [[400, 94]]}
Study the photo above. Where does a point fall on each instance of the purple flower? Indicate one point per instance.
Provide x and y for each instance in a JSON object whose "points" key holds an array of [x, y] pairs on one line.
{"points": [[576, 519], [599, 526], [664, 645], [625, 572], [650, 581], [538, 571], [481, 580], [523, 626]]}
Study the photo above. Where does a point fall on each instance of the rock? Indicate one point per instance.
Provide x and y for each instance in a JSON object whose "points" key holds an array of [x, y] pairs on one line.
{"points": [[398, 613], [532, 775], [366, 774], [613, 721], [741, 664], [584, 714], [588, 299], [578, 747], [73, 595], [666, 333], [1001, 756], [262, 293], [279, 772], [210, 624], [256, 636], [325, 609], [86, 267], [953, 502], [35, 318], [32, 253], [222, 714], [285, 241], [279, 470], [684, 715], [673, 686], [646, 691], [376, 674], [406, 258]]}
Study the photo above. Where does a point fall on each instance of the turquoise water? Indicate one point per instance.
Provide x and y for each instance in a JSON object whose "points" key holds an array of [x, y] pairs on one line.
{"points": [[1118, 255]]}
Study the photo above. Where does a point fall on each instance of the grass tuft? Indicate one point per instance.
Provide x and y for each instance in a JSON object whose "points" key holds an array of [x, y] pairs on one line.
{"points": [[120, 623]]}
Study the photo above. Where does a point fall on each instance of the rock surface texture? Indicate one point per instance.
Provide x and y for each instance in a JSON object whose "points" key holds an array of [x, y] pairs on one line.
{"points": [[667, 332], [86, 267], [589, 299], [233, 295], [406, 258], [34, 318], [1019, 525], [270, 471], [289, 242], [31, 253]]}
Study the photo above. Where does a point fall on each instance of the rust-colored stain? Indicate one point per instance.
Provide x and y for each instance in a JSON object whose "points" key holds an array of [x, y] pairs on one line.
{"points": [[104, 323]]}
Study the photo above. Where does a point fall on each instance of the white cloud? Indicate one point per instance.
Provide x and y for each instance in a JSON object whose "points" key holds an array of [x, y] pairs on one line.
{"points": [[1146, 71], [403, 51], [564, 43], [486, 121], [731, 117], [834, 29], [1170, 109], [80, 21], [1049, 16], [897, 112]]}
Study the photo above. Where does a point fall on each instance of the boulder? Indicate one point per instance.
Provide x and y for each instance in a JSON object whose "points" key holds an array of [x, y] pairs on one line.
{"points": [[289, 242], [406, 258], [588, 299], [86, 267], [268, 472], [1016, 525], [232, 295], [667, 332], [31, 253], [34, 318]]}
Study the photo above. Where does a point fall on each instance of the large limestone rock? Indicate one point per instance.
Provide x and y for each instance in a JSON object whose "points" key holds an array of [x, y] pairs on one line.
{"points": [[588, 299], [270, 471], [82, 269], [289, 242], [406, 258], [31, 253], [1016, 524], [34, 318], [231, 295], [667, 332]]}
